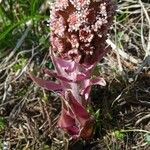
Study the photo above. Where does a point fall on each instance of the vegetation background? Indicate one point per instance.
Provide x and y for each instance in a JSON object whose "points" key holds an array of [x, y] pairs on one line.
{"points": [[28, 114]]}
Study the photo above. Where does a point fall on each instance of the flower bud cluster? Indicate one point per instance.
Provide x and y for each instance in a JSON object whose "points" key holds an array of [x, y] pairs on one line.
{"points": [[79, 29]]}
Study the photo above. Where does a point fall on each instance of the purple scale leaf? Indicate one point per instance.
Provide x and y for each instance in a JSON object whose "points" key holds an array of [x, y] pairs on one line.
{"points": [[54, 74], [89, 83], [48, 85]]}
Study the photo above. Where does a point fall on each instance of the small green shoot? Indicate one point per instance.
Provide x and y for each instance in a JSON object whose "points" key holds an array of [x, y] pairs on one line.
{"points": [[46, 147], [1, 144], [119, 135], [97, 116], [147, 138], [2, 124]]}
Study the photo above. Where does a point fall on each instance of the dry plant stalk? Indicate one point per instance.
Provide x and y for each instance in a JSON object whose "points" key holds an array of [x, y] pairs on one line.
{"points": [[79, 31]]}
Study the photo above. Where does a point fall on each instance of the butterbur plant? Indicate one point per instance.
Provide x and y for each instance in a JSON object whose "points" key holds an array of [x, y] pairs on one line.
{"points": [[79, 31]]}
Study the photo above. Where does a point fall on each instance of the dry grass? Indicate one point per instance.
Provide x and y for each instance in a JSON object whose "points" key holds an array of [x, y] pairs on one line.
{"points": [[29, 114]]}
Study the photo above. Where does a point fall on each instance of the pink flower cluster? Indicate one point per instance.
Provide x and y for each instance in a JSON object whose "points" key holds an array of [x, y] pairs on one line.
{"points": [[78, 36], [80, 27]]}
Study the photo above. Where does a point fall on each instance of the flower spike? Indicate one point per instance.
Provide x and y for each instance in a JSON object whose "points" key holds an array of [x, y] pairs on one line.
{"points": [[79, 30]]}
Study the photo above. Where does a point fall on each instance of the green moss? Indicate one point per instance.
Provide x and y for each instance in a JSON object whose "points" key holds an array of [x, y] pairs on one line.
{"points": [[119, 135], [19, 65], [2, 124]]}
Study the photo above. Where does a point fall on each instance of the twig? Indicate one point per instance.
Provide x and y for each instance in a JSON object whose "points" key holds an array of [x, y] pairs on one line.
{"points": [[142, 119], [117, 51], [135, 130], [148, 20], [122, 53], [142, 28]]}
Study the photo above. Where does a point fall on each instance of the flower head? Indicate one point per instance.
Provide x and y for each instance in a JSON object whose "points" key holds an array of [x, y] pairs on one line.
{"points": [[81, 25]]}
